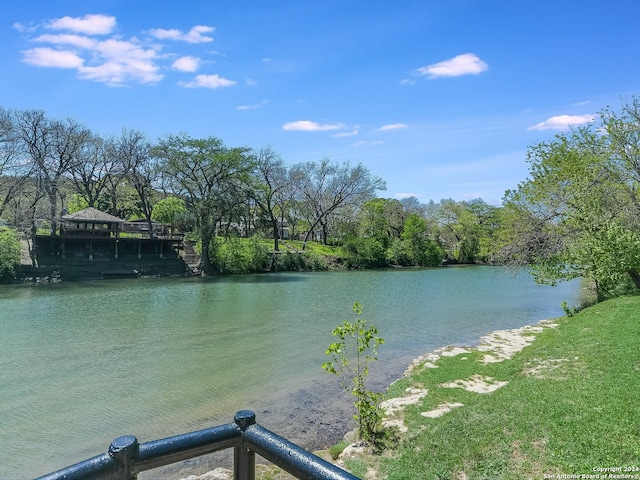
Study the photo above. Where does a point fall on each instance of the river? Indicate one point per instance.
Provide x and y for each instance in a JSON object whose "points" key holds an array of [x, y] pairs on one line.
{"points": [[83, 363]]}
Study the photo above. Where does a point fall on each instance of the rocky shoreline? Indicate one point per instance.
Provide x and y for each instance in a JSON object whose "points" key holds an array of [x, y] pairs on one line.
{"points": [[327, 425]]}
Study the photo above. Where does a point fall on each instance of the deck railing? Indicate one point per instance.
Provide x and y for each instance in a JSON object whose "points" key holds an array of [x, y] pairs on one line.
{"points": [[127, 458]]}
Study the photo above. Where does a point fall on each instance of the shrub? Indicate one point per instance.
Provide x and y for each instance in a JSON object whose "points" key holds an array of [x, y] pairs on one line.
{"points": [[236, 255], [397, 253], [351, 354], [10, 252], [315, 262], [292, 262], [431, 254], [364, 252]]}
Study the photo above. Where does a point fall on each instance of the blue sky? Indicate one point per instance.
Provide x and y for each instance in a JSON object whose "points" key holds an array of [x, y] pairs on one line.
{"points": [[439, 98]]}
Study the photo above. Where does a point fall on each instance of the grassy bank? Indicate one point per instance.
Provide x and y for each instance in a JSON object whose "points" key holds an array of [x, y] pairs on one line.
{"points": [[571, 406]]}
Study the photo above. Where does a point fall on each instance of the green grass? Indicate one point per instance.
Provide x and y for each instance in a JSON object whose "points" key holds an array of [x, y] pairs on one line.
{"points": [[580, 411], [337, 449], [313, 247]]}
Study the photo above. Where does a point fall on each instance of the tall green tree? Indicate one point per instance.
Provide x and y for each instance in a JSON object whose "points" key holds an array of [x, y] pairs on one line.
{"points": [[461, 227], [169, 210], [382, 219], [577, 214], [205, 173], [422, 250]]}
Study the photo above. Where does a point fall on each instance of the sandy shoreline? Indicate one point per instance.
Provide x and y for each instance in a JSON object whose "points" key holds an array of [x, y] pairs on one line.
{"points": [[497, 346]]}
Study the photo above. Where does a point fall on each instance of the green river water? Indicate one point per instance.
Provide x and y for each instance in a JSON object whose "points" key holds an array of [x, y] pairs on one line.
{"points": [[83, 363]]}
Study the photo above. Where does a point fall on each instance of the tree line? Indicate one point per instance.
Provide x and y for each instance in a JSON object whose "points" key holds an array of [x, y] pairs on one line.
{"points": [[50, 167], [576, 215]]}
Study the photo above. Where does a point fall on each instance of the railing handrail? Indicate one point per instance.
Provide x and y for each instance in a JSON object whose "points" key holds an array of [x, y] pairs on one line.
{"points": [[126, 458]]}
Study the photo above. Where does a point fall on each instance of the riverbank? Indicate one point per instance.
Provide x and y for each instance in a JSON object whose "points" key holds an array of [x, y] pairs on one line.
{"points": [[541, 401], [564, 405]]}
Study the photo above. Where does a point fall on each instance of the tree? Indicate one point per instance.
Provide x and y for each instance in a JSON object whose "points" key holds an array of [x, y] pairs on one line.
{"points": [[15, 168], [20, 189], [485, 220], [90, 172], [119, 198], [577, 214], [133, 153], [364, 252], [466, 229], [10, 251], [53, 146], [443, 216], [76, 202], [356, 347], [270, 191], [169, 210], [381, 218], [325, 187], [422, 250], [204, 172]]}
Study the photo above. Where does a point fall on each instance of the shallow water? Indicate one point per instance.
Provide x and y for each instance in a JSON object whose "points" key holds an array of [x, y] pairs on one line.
{"points": [[83, 363]]}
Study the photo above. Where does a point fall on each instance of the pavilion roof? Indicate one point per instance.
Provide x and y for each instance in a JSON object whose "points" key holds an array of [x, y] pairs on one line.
{"points": [[94, 215]]}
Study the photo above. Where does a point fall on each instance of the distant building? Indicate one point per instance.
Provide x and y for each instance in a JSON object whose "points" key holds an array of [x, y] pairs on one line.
{"points": [[91, 233], [91, 222]]}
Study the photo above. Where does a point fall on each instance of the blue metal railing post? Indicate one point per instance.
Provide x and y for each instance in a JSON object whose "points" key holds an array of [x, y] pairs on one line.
{"points": [[290, 457], [124, 450], [244, 460]]}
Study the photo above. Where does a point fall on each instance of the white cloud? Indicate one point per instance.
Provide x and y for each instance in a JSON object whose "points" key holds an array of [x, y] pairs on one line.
{"points": [[24, 28], [466, 64], [110, 61], [562, 122], [308, 126], [406, 195], [208, 81], [472, 196], [186, 64], [195, 35], [352, 133], [48, 57], [89, 24], [254, 106], [78, 41], [407, 81], [114, 60], [120, 61], [368, 143], [392, 126], [118, 73], [166, 34]]}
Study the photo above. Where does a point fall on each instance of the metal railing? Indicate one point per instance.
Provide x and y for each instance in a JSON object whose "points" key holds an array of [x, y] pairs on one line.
{"points": [[127, 458]]}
